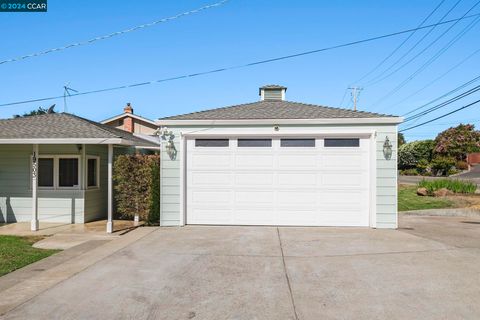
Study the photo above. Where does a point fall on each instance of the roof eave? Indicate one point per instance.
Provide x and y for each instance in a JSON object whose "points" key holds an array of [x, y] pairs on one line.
{"points": [[68, 141], [373, 120]]}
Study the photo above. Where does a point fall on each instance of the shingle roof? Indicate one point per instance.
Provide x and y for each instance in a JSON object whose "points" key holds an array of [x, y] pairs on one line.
{"points": [[273, 86], [275, 109], [62, 126]]}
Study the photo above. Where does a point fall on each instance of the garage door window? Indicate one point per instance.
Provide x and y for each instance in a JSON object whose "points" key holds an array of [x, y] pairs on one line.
{"points": [[211, 142], [254, 142], [342, 142], [297, 143]]}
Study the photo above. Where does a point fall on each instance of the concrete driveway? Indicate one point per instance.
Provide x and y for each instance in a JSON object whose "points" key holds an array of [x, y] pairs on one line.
{"points": [[279, 273]]}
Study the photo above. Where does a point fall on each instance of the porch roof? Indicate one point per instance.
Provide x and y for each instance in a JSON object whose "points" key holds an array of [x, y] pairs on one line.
{"points": [[65, 128]]}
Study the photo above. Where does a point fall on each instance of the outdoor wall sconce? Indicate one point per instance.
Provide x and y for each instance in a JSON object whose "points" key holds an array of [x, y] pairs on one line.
{"points": [[387, 149], [171, 150], [168, 136]]}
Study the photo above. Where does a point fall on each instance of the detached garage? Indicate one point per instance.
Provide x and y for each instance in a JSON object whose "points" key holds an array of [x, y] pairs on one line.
{"points": [[275, 162]]}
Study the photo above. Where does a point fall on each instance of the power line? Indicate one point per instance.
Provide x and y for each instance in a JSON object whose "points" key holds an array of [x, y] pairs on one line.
{"points": [[444, 95], [114, 34], [436, 56], [436, 79], [379, 77], [440, 117], [400, 45], [251, 64], [443, 104]]}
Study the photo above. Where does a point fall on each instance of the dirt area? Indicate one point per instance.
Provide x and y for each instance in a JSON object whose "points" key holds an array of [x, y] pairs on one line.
{"points": [[466, 201]]}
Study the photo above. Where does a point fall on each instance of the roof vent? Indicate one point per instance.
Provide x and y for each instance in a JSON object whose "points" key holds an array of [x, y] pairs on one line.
{"points": [[272, 92]]}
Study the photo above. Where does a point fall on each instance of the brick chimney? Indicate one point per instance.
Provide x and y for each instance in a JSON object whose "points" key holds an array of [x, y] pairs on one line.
{"points": [[128, 121]]}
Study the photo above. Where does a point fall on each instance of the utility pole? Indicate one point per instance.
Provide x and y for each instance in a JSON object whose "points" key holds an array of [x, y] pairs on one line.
{"points": [[355, 94]]}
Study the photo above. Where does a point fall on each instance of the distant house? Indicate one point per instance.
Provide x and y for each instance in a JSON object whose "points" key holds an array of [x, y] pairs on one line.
{"points": [[130, 122], [58, 168]]}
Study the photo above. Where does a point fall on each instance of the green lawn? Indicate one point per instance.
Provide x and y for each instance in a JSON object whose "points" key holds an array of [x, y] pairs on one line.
{"points": [[409, 200], [17, 252]]}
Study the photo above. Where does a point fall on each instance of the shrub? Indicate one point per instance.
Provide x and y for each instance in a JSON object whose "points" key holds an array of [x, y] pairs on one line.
{"points": [[461, 165], [409, 172], [457, 186], [135, 185], [423, 166], [411, 153], [441, 166], [456, 142]]}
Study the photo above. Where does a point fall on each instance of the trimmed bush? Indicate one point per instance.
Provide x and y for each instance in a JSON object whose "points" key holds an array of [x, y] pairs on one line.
{"points": [[461, 165], [411, 153], [442, 166], [409, 172], [457, 186], [136, 179]]}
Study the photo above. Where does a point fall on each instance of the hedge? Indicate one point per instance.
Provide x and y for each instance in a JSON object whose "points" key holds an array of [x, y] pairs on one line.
{"points": [[136, 182]]}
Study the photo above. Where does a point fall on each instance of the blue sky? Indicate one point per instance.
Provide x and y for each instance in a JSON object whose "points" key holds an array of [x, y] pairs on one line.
{"points": [[238, 32]]}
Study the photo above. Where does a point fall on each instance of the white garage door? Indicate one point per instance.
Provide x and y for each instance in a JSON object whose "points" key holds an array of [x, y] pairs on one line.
{"points": [[278, 181]]}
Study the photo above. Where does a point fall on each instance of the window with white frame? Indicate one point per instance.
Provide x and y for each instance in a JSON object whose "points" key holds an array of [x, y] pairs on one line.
{"points": [[62, 171], [93, 172]]}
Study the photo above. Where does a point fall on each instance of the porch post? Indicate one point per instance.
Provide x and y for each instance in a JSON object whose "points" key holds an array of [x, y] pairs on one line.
{"points": [[110, 189], [34, 222]]}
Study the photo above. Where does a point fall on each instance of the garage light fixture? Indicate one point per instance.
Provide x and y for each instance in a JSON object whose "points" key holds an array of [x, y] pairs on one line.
{"points": [[167, 136], [387, 149]]}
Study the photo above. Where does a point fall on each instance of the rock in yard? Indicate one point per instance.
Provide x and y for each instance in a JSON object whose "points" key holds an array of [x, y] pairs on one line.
{"points": [[422, 192], [442, 192]]}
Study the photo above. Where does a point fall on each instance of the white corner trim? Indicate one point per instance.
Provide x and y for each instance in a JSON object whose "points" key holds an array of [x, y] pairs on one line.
{"points": [[353, 121]]}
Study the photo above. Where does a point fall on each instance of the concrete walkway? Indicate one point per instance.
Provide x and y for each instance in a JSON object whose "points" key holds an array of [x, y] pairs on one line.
{"points": [[63, 236], [426, 270]]}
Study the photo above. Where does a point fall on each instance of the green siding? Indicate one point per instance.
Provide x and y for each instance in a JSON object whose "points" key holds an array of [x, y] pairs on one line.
{"points": [[15, 188], [386, 170]]}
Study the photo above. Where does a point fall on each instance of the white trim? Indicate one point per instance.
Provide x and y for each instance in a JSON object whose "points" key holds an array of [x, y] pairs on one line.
{"points": [[110, 190], [373, 181], [370, 134], [396, 176], [183, 176], [124, 115], [333, 133], [34, 178], [97, 186], [68, 141], [352, 121]]}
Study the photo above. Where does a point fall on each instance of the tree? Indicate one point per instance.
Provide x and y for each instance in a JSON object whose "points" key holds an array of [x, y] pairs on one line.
{"points": [[458, 141], [401, 139], [36, 112]]}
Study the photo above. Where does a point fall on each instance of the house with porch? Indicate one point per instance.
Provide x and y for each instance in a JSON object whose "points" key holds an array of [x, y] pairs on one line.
{"points": [[58, 168]]}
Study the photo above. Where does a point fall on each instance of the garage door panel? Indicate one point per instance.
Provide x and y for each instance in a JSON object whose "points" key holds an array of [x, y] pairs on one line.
{"points": [[221, 179], [254, 216], [295, 217], [295, 198], [347, 161], [254, 179], [211, 216], [299, 161], [254, 198], [297, 179], [209, 161], [342, 198], [211, 197], [336, 179], [257, 161]]}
